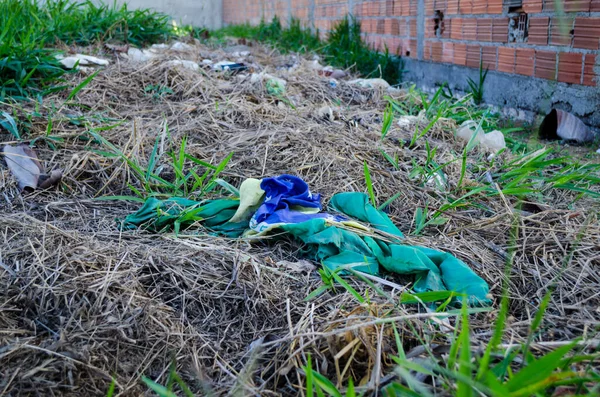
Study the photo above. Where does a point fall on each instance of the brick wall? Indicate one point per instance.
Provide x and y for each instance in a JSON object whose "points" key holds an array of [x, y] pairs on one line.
{"points": [[526, 37]]}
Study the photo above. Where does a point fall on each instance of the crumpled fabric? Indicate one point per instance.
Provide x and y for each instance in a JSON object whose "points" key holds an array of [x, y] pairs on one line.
{"points": [[356, 236], [287, 200]]}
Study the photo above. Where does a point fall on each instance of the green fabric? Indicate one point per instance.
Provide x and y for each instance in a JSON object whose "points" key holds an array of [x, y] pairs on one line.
{"points": [[346, 244], [162, 215]]}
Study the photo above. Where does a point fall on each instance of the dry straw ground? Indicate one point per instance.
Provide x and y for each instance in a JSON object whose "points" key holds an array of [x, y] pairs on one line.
{"points": [[81, 302]]}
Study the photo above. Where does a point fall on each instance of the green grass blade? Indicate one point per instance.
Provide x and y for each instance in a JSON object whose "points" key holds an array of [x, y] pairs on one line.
{"points": [[81, 85], [326, 385], [369, 183], [464, 366], [310, 386], [389, 201], [538, 370], [348, 287], [230, 188], [158, 389], [111, 388]]}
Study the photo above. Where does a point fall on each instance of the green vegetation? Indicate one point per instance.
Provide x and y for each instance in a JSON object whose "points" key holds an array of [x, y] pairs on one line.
{"points": [[343, 48], [190, 177], [29, 29], [467, 369], [476, 87]]}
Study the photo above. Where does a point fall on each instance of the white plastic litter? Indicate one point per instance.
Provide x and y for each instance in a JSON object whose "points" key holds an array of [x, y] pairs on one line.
{"points": [[370, 83], [191, 65], [262, 76], [207, 62], [407, 121], [179, 46], [493, 141], [70, 61], [137, 55], [223, 65]]}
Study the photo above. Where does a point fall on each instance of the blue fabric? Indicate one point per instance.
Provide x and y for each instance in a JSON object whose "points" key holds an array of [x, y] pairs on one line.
{"points": [[287, 200]]}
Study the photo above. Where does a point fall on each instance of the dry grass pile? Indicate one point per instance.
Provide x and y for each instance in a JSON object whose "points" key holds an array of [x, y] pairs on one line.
{"points": [[81, 302]]}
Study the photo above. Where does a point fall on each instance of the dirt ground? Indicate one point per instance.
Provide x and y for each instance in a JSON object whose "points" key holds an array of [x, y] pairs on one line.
{"points": [[81, 302]]}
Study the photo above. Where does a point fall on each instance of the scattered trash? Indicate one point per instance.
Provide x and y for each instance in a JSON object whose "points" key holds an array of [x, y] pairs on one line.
{"points": [[185, 64], [275, 87], [207, 62], [80, 59], [264, 76], [470, 131], [370, 83], [348, 237], [333, 83], [333, 73], [23, 163], [237, 50], [117, 47], [407, 121], [559, 124], [230, 66], [179, 46], [137, 55], [302, 266]]}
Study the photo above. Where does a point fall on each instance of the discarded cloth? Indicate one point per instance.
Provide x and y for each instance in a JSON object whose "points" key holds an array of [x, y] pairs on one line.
{"points": [[356, 236], [288, 200]]}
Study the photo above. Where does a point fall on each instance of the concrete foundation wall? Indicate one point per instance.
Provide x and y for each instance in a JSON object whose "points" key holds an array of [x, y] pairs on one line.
{"points": [[508, 90], [201, 13]]}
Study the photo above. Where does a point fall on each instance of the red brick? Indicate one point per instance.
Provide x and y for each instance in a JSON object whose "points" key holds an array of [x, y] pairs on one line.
{"points": [[452, 8], [532, 6], [456, 32], [576, 5], [595, 6], [549, 5], [590, 77], [524, 61], [447, 52], [494, 7], [436, 51], [427, 50], [413, 8], [380, 26], [429, 7], [538, 30], [460, 54], [587, 33], [489, 57], [569, 67], [402, 28], [412, 25], [473, 56], [484, 29], [429, 28], [389, 7], [500, 30], [506, 59], [560, 32], [447, 29], [465, 7], [479, 7], [545, 65], [469, 29]]}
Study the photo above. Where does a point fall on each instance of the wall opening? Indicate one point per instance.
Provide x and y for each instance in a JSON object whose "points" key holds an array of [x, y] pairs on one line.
{"points": [[438, 20], [517, 28]]}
